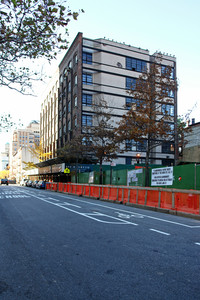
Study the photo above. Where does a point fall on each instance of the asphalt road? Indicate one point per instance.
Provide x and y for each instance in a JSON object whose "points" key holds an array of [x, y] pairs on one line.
{"points": [[56, 246]]}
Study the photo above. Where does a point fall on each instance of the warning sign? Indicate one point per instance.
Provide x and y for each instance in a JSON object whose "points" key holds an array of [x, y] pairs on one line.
{"points": [[67, 171], [162, 176]]}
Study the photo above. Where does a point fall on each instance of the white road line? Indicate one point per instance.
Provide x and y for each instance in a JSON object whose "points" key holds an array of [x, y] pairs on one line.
{"points": [[66, 203], [165, 233], [120, 222], [123, 210], [197, 244], [53, 199], [141, 215]]}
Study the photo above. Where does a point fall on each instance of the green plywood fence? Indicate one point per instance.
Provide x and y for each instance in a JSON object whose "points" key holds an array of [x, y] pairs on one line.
{"points": [[184, 176]]}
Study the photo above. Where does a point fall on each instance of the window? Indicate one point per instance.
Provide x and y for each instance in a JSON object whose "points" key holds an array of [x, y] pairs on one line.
{"points": [[130, 83], [169, 128], [135, 64], [131, 145], [166, 69], [167, 147], [75, 80], [131, 102], [87, 78], [142, 146], [75, 59], [69, 125], [75, 101], [69, 106], [69, 86], [168, 109], [87, 99], [86, 120], [167, 92], [87, 58], [75, 121], [87, 141]]}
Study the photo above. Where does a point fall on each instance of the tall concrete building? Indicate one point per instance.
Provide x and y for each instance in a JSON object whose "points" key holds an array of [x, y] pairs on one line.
{"points": [[100, 69]]}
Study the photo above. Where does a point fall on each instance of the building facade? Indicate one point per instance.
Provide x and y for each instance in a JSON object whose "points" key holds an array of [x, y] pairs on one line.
{"points": [[4, 158], [23, 139], [101, 69], [191, 150]]}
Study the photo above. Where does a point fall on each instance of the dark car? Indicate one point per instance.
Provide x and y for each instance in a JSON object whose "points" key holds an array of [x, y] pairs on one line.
{"points": [[41, 185], [34, 183], [4, 181]]}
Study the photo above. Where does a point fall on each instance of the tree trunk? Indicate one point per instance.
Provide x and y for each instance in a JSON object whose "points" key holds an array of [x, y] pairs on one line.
{"points": [[147, 162]]}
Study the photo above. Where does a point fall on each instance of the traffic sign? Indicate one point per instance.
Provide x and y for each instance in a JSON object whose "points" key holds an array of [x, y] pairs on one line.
{"points": [[67, 171]]}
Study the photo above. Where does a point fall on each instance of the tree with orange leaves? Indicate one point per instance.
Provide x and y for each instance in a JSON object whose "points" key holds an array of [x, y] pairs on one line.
{"points": [[151, 118]]}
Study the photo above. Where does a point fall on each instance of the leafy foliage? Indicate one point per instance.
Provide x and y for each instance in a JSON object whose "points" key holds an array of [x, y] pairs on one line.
{"points": [[30, 29], [7, 123], [37, 152]]}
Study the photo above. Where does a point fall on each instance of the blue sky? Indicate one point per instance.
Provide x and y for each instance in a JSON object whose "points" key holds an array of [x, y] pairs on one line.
{"points": [[171, 26]]}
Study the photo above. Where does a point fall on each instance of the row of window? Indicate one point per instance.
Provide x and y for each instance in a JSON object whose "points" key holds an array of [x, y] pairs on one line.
{"points": [[130, 84], [167, 109], [131, 145], [133, 64]]}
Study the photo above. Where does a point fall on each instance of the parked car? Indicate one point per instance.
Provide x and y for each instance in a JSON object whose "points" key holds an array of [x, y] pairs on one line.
{"points": [[34, 183], [4, 181], [29, 183], [23, 182], [41, 184]]}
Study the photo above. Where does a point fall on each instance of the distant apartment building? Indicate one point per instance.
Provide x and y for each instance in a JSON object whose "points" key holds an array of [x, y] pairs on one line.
{"points": [[49, 117], [100, 69], [4, 157], [191, 151], [26, 137], [23, 139]]}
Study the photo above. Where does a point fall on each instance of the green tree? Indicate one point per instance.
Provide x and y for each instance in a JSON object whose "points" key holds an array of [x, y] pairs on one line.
{"points": [[30, 29], [150, 119]]}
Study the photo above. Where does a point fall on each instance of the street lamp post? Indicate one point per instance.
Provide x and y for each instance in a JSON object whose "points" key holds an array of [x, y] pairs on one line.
{"points": [[138, 158]]}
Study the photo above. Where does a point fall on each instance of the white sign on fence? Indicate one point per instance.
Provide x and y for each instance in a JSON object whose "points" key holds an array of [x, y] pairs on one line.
{"points": [[132, 175], [162, 176]]}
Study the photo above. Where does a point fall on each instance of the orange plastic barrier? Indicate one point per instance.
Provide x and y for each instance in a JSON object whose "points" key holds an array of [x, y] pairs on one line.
{"points": [[60, 186], [166, 200], [141, 197], [187, 203], [113, 194], [65, 187], [79, 190], [105, 193], [95, 191], [152, 198], [47, 186], [125, 195], [54, 187], [120, 194]]}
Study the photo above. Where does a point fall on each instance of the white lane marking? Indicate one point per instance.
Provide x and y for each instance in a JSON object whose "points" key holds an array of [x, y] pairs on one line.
{"points": [[125, 216], [150, 217], [53, 199], [165, 233], [197, 244], [66, 203], [120, 222], [123, 210]]}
